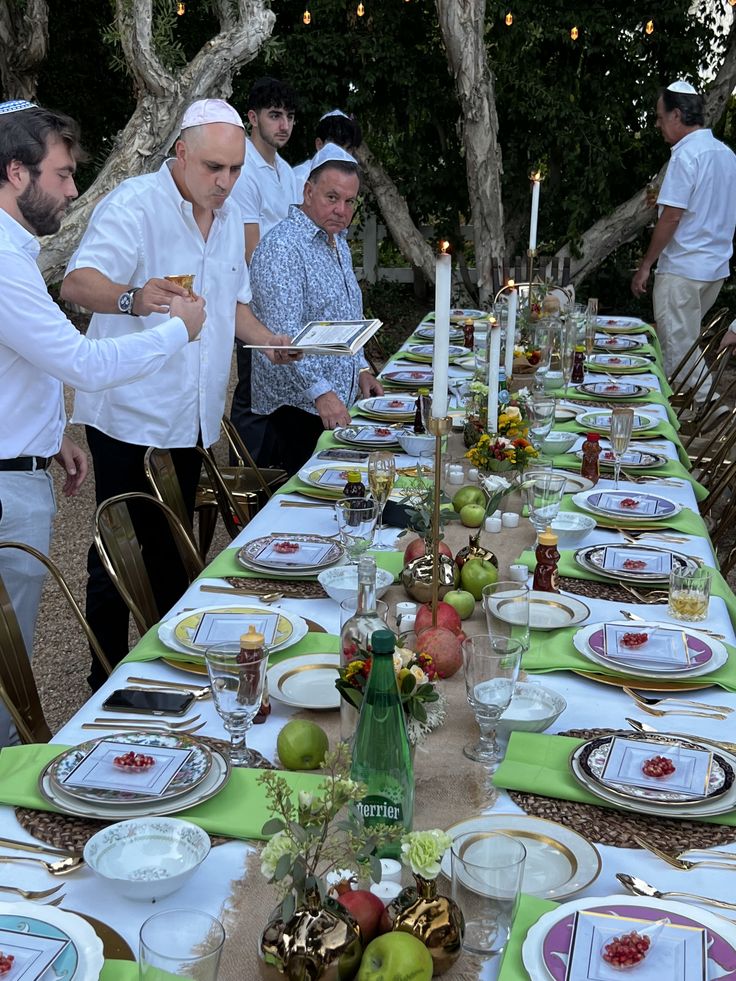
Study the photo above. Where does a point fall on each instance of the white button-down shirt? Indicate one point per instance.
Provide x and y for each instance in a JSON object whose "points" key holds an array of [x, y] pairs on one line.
{"points": [[264, 191], [40, 348], [144, 229]]}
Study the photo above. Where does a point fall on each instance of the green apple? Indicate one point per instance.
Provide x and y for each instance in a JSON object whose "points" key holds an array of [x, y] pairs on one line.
{"points": [[468, 495], [462, 601], [472, 515], [302, 745], [396, 956], [477, 573]]}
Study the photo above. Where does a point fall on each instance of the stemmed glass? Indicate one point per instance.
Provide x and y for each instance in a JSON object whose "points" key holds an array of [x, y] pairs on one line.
{"points": [[544, 496], [542, 334], [381, 477], [541, 412], [567, 350], [237, 678], [491, 669], [506, 606], [356, 523], [622, 425]]}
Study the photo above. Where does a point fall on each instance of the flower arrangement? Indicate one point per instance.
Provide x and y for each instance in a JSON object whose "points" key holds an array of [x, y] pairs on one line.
{"points": [[424, 705], [422, 851], [500, 453]]}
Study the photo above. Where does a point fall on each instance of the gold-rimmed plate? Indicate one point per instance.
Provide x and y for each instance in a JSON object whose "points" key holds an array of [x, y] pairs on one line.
{"points": [[559, 862], [306, 682]]}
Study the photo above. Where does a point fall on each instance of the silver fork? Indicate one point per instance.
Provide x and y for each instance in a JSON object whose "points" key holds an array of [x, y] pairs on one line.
{"points": [[196, 690], [155, 721]]}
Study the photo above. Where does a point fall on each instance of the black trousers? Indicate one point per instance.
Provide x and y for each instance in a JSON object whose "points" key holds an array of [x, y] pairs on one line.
{"points": [[250, 426], [118, 469], [291, 436]]}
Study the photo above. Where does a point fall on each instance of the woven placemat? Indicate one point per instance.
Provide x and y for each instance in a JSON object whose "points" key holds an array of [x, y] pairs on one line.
{"points": [[599, 590], [292, 589], [72, 833], [617, 828]]}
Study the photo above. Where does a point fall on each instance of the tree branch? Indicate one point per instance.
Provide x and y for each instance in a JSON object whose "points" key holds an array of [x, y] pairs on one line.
{"points": [[24, 39], [134, 19], [724, 83]]}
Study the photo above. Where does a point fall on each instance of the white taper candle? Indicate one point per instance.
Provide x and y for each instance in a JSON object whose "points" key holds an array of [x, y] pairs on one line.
{"points": [[441, 359]]}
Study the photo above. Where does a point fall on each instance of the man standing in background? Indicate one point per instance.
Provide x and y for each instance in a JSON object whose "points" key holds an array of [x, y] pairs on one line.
{"points": [[334, 127]]}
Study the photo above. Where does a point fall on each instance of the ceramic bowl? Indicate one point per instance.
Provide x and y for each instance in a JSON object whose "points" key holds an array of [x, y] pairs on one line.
{"points": [[341, 583], [572, 528], [415, 444], [558, 442], [533, 708], [553, 380], [147, 858]]}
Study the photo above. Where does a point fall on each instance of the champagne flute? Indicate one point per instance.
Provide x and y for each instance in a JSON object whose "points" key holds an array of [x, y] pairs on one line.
{"points": [[567, 350], [381, 477], [622, 425]]}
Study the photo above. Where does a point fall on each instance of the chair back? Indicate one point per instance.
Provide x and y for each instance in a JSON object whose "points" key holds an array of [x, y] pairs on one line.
{"points": [[121, 555], [689, 373], [243, 454], [234, 516], [549, 269], [163, 478]]}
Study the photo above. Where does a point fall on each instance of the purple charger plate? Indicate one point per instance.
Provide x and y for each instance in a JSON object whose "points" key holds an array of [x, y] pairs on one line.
{"points": [[664, 507], [700, 652]]}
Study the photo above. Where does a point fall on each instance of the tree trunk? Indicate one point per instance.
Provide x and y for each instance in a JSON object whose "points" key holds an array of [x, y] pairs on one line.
{"points": [[24, 39], [462, 23], [162, 98]]}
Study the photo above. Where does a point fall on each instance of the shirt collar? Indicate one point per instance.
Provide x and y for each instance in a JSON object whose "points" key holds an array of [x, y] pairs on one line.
{"points": [[310, 227], [693, 136], [20, 237], [258, 159], [168, 184]]}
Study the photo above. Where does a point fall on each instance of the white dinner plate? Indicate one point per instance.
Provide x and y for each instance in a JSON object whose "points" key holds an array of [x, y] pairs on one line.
{"points": [[552, 611], [574, 483], [366, 436], [599, 420], [81, 960], [559, 861], [618, 363], [610, 560], [397, 408], [307, 681]]}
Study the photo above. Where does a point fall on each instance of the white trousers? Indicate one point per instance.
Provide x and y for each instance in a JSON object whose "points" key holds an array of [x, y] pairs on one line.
{"points": [[679, 307], [28, 513]]}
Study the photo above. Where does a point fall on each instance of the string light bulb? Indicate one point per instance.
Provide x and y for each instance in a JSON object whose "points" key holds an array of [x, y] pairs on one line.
{"points": [[650, 26], [361, 10], [181, 8], [574, 33], [306, 16], [509, 19]]}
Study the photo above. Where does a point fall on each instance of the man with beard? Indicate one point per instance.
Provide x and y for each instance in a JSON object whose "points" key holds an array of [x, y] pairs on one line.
{"points": [[40, 349]]}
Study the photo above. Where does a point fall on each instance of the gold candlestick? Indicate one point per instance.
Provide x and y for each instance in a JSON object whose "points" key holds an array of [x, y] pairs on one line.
{"points": [[531, 253], [439, 428]]}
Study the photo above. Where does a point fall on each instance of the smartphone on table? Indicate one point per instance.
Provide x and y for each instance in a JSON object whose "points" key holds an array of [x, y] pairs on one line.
{"points": [[148, 702]]}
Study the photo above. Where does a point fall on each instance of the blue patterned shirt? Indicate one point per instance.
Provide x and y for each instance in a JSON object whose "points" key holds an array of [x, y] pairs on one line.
{"points": [[297, 276]]}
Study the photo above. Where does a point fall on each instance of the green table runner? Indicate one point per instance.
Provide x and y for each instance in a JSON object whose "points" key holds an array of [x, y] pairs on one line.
{"points": [[540, 764], [226, 564], [239, 810], [119, 971], [530, 910]]}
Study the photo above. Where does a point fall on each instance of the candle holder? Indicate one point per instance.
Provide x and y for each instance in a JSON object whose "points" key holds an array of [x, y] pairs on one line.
{"points": [[532, 255], [439, 428]]}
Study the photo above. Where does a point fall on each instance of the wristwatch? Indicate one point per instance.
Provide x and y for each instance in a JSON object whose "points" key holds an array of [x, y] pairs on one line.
{"points": [[125, 301]]}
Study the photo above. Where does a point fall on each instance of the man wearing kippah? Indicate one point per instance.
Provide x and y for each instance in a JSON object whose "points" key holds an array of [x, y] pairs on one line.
{"points": [[302, 271], [41, 350], [692, 241], [174, 222], [334, 127]]}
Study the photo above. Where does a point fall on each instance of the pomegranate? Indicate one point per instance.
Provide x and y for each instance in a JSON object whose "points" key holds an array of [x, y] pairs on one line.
{"points": [[445, 648], [419, 547], [447, 617], [365, 907]]}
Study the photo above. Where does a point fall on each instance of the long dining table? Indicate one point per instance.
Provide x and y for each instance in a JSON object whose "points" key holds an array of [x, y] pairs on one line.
{"points": [[590, 704]]}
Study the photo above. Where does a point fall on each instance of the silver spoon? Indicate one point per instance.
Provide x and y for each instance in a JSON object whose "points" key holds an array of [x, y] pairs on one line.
{"points": [[645, 728], [638, 887]]}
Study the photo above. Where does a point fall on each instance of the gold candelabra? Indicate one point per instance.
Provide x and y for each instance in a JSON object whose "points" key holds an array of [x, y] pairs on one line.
{"points": [[439, 428]]}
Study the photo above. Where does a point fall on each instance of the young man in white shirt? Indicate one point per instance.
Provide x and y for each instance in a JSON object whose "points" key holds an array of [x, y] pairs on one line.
{"points": [[334, 127], [175, 221], [693, 237], [41, 350]]}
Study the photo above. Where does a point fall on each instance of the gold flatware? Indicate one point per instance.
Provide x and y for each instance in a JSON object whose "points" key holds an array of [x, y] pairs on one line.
{"points": [[304, 504], [198, 693], [156, 721], [32, 893], [646, 729], [637, 886], [25, 846], [679, 863], [61, 867], [177, 685], [637, 619], [238, 591], [636, 535], [651, 597], [718, 853], [143, 727], [643, 700], [651, 479], [56, 901], [663, 713]]}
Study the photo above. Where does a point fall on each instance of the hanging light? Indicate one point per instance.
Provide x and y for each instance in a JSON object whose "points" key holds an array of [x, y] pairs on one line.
{"points": [[306, 16], [509, 19], [361, 10], [181, 8], [650, 26], [574, 33]]}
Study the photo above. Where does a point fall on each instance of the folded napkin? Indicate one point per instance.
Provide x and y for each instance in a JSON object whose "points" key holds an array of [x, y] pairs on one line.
{"points": [[529, 910], [540, 764], [226, 564], [239, 810], [119, 971], [673, 468], [687, 521]]}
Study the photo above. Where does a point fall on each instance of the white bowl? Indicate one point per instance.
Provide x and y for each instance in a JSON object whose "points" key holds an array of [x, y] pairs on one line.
{"points": [[341, 583], [558, 442], [553, 380], [147, 858], [415, 444], [572, 528], [533, 708]]}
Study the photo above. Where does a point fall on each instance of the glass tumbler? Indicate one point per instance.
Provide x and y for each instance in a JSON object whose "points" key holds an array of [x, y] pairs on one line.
{"points": [[180, 943]]}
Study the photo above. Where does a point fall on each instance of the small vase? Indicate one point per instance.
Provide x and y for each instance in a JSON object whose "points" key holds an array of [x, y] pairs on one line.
{"points": [[474, 550], [320, 941], [435, 920]]}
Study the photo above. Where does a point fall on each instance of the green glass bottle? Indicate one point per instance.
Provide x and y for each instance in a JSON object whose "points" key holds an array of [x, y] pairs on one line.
{"points": [[381, 752]]}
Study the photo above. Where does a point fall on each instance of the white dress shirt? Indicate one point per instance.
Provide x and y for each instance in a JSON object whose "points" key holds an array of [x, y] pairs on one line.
{"points": [[40, 348], [144, 229], [301, 172], [264, 191]]}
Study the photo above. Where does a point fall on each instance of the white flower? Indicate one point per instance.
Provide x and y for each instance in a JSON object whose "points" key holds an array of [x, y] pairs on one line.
{"points": [[279, 845], [423, 851], [494, 483], [420, 676], [305, 800], [397, 661], [405, 655]]}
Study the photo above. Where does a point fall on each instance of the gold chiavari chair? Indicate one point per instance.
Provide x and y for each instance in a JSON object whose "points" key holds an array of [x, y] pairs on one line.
{"points": [[687, 378]]}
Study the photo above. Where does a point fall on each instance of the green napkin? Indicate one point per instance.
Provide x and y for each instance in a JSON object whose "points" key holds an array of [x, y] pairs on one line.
{"points": [[226, 564], [673, 468], [239, 810], [540, 764], [150, 648], [529, 910], [119, 971], [687, 521]]}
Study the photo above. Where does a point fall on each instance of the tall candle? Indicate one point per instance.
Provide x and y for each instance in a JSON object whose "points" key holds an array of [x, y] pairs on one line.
{"points": [[535, 212], [494, 357], [441, 359], [511, 332]]}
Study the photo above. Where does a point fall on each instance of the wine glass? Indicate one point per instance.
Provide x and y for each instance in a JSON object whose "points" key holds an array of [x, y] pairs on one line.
{"points": [[381, 477], [542, 335], [541, 412], [237, 678], [567, 350], [622, 425], [491, 669], [356, 523]]}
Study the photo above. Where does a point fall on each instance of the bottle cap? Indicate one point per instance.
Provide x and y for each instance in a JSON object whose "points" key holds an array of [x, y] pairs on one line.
{"points": [[468, 321], [382, 642], [353, 476], [547, 537], [252, 640], [579, 349], [593, 437], [422, 391]]}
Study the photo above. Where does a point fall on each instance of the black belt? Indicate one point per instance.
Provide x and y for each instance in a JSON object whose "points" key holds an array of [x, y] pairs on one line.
{"points": [[26, 463]]}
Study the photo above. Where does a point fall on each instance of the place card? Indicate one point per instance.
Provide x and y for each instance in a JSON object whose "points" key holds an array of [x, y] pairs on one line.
{"points": [[626, 757], [226, 627], [663, 648], [33, 953], [371, 434], [678, 953], [617, 360], [628, 560], [643, 505], [308, 553], [97, 770]]}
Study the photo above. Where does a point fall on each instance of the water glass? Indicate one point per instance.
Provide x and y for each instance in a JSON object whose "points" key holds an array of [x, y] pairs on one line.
{"points": [[543, 497], [506, 606], [487, 873], [181, 943], [689, 595], [237, 679], [356, 523], [622, 426], [381, 477], [540, 410], [491, 669]]}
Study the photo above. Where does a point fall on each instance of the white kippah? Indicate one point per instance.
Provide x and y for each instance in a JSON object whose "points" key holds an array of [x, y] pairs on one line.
{"points": [[334, 112], [210, 111], [16, 105], [330, 151], [683, 87]]}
